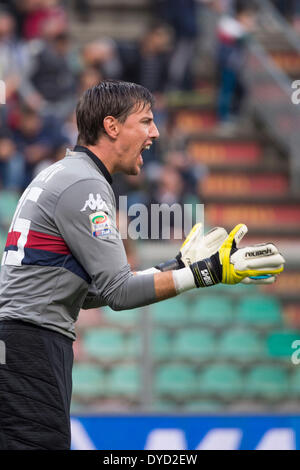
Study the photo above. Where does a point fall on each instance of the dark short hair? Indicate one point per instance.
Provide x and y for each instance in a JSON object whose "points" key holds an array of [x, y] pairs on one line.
{"points": [[110, 98], [245, 6]]}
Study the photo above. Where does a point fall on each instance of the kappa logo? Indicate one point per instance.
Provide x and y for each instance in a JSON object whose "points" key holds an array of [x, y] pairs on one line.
{"points": [[95, 203]]}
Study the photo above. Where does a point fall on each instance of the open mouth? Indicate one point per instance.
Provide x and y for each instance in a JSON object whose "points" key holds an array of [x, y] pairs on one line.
{"points": [[146, 147]]}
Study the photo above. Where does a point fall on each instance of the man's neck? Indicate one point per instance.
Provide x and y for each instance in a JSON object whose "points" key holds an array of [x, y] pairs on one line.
{"points": [[106, 156]]}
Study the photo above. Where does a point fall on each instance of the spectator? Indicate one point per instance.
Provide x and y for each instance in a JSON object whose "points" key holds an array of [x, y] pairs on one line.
{"points": [[147, 62], [37, 13], [14, 7], [191, 173], [39, 139], [135, 189], [11, 163], [232, 33], [168, 190], [170, 187], [69, 129], [13, 55], [51, 79], [181, 15], [221, 6], [89, 77], [103, 56], [83, 9]]}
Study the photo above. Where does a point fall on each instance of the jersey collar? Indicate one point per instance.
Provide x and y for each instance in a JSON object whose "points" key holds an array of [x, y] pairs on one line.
{"points": [[96, 160]]}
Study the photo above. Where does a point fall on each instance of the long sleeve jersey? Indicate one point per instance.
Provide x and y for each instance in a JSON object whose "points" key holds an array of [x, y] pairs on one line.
{"points": [[64, 251]]}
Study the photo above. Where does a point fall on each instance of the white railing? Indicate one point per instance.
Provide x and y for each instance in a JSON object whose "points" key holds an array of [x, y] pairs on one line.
{"points": [[270, 19], [271, 97]]}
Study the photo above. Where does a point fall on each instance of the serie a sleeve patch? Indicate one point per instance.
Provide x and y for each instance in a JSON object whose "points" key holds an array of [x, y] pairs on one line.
{"points": [[100, 224]]}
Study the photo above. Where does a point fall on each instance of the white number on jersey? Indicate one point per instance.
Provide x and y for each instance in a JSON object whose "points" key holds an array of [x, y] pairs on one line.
{"points": [[22, 226]]}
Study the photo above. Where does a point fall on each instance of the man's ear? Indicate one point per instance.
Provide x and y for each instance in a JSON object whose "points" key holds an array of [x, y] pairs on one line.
{"points": [[111, 126]]}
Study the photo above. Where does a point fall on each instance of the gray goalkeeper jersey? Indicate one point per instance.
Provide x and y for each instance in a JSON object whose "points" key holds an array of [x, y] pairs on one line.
{"points": [[64, 251]]}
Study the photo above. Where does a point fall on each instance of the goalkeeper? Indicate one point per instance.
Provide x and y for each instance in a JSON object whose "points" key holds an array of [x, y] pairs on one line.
{"points": [[64, 253]]}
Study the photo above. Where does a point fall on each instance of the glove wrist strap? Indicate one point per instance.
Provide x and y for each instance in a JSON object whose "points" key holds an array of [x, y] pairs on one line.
{"points": [[207, 272]]}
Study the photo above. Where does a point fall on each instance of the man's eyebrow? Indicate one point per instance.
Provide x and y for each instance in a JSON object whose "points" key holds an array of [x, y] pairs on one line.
{"points": [[147, 118]]}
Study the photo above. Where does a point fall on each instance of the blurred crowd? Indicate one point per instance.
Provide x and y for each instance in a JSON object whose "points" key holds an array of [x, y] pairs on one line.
{"points": [[45, 71]]}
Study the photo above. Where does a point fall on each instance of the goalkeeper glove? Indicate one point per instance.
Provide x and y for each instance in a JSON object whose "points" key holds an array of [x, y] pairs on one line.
{"points": [[231, 265], [196, 247]]}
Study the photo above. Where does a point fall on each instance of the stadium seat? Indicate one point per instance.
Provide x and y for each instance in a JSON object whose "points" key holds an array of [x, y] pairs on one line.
{"points": [[238, 289], [77, 407], [212, 311], [295, 384], [133, 345], [164, 406], [126, 318], [176, 380], [241, 345], [260, 311], [8, 204], [253, 406], [161, 346], [88, 381], [289, 405], [203, 406], [269, 382], [171, 312], [124, 380], [220, 380], [194, 344], [104, 344], [279, 344]]}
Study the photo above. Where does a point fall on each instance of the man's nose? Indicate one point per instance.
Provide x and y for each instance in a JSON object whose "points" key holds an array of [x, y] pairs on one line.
{"points": [[154, 134]]}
